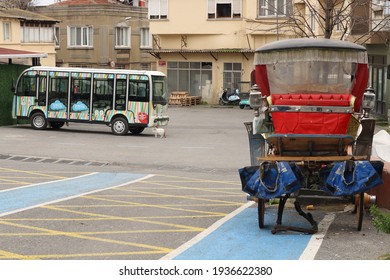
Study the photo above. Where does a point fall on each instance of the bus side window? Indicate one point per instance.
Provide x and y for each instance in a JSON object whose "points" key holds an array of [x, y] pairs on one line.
{"points": [[42, 91], [133, 89], [27, 86], [120, 97], [58, 94], [80, 94], [103, 90], [142, 89], [139, 91]]}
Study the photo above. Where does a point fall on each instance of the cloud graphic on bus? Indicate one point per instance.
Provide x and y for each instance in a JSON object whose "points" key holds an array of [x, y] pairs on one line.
{"points": [[57, 106], [79, 106]]}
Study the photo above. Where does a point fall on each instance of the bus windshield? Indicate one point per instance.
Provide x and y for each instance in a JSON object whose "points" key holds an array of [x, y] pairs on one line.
{"points": [[160, 95]]}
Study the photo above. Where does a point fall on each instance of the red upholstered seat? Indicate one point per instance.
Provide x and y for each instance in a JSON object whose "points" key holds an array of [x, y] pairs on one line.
{"points": [[295, 122]]}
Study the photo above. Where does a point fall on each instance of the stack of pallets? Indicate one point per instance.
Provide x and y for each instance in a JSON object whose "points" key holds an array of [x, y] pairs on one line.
{"points": [[191, 101], [184, 99], [177, 97]]}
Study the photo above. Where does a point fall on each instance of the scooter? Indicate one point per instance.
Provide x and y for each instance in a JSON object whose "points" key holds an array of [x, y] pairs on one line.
{"points": [[244, 102], [244, 95], [229, 99]]}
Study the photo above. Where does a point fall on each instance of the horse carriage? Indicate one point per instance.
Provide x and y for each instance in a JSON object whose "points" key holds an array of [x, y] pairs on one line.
{"points": [[311, 106]]}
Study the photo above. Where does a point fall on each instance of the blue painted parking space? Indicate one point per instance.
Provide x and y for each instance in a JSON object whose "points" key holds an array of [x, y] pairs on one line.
{"points": [[26, 197], [241, 239]]}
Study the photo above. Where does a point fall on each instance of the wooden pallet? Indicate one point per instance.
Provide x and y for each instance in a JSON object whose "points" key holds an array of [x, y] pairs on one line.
{"points": [[177, 97], [191, 101]]}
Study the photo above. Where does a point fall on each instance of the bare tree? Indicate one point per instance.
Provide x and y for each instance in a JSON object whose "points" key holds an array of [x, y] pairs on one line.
{"points": [[20, 4], [341, 19]]}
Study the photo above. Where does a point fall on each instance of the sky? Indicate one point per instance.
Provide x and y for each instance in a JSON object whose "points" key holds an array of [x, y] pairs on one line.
{"points": [[44, 2]]}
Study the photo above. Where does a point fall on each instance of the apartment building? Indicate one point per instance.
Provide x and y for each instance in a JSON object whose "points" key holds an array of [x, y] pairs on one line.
{"points": [[378, 47], [26, 38], [101, 33], [206, 46]]}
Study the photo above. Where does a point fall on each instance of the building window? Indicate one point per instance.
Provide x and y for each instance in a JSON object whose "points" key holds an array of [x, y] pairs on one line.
{"points": [[378, 75], [192, 77], [386, 10], [158, 9], [6, 31], [146, 39], [275, 8], [36, 33], [313, 21], [57, 36], [122, 37], [80, 36], [232, 76], [224, 8], [135, 3]]}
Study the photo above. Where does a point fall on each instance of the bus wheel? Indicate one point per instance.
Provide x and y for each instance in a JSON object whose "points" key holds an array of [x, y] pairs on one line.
{"points": [[136, 130], [119, 126], [56, 125], [38, 121]]}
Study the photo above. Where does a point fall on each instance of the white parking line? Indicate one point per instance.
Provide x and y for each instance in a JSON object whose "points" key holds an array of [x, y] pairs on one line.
{"points": [[316, 240]]}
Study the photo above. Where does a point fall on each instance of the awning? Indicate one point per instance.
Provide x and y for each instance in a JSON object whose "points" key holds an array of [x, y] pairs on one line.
{"points": [[157, 52], [11, 53]]}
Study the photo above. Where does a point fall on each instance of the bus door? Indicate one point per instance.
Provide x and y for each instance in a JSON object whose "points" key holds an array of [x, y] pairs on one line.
{"points": [[30, 93], [80, 96], [138, 101], [120, 92], [102, 96], [58, 95]]}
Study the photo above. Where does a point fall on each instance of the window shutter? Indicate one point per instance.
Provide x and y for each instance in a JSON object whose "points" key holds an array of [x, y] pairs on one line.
{"points": [[237, 7], [211, 9], [164, 8], [154, 7]]}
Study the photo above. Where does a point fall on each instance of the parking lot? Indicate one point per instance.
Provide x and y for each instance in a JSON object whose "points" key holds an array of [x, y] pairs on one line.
{"points": [[82, 193], [182, 184], [145, 219]]}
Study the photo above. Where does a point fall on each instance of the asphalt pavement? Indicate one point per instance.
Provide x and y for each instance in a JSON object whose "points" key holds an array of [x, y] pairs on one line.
{"points": [[88, 194]]}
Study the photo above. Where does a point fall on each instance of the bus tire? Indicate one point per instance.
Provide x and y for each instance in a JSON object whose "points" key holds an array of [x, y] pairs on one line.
{"points": [[38, 121], [136, 130], [56, 125], [120, 126]]}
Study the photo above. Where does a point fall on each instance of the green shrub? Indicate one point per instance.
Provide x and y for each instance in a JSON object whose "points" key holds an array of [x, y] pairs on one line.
{"points": [[380, 220], [8, 74]]}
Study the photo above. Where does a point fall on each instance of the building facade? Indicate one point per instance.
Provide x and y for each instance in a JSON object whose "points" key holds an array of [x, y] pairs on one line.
{"points": [[207, 46], [379, 55], [26, 38], [101, 34]]}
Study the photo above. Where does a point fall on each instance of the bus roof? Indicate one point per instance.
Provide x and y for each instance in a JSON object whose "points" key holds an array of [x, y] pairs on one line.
{"points": [[310, 43], [96, 70]]}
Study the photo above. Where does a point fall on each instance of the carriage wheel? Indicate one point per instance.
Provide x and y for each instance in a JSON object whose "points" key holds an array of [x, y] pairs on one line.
{"points": [[360, 210], [260, 212]]}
